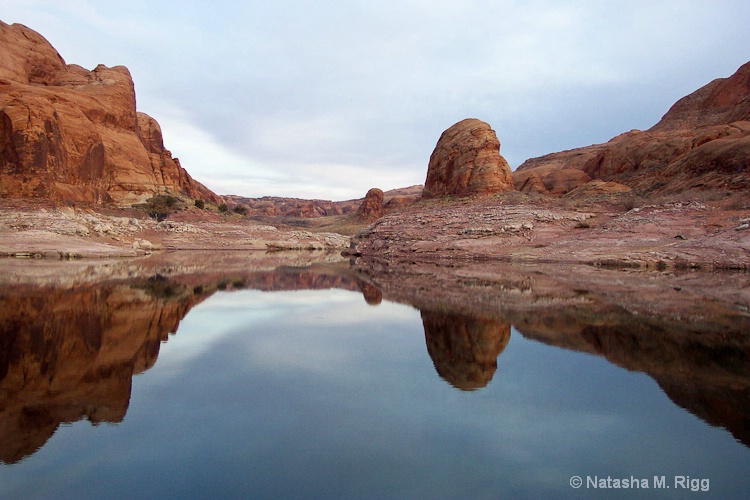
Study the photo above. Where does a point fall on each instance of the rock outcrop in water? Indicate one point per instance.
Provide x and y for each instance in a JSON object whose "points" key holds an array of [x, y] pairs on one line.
{"points": [[466, 161], [702, 142], [69, 134]]}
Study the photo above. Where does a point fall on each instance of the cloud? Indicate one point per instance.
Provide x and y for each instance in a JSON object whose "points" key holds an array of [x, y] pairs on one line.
{"points": [[284, 88]]}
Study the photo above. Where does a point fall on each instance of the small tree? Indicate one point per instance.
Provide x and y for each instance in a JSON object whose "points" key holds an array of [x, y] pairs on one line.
{"points": [[239, 209], [223, 208], [160, 206], [200, 204]]}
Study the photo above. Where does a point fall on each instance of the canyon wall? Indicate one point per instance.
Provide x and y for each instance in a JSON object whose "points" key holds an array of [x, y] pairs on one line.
{"points": [[70, 134]]}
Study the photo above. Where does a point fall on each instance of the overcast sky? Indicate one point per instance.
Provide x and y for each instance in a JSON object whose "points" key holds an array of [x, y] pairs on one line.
{"points": [[326, 99]]}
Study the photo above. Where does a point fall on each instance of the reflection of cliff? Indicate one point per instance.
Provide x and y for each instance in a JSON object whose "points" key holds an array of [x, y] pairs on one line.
{"points": [[689, 332], [705, 371], [70, 354], [464, 348], [709, 379]]}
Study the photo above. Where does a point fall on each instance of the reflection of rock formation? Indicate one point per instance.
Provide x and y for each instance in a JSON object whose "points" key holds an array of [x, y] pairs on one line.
{"points": [[707, 375], [710, 380], [688, 331], [71, 354], [464, 348], [721, 406], [371, 293]]}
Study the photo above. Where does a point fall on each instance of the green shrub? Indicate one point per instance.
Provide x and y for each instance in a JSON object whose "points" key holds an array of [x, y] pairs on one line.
{"points": [[200, 204], [161, 205], [239, 209], [223, 208]]}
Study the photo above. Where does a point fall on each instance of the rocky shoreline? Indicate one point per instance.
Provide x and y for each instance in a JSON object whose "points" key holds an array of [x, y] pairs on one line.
{"points": [[674, 234], [503, 228], [32, 231]]}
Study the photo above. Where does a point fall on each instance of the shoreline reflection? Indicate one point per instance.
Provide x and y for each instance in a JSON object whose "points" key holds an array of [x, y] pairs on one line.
{"points": [[68, 352]]}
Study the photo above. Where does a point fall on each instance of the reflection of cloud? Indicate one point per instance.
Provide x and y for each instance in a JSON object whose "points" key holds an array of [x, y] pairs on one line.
{"points": [[262, 323]]}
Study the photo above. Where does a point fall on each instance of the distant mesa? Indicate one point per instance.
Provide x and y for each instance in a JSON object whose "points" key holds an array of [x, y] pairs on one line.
{"points": [[275, 206], [70, 134], [371, 208], [701, 143], [466, 161]]}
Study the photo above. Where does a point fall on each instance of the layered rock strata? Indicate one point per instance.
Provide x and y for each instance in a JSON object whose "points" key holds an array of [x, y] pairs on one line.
{"points": [[466, 161], [70, 134], [701, 143]]}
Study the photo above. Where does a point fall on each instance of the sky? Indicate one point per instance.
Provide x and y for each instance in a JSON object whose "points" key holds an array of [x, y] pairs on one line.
{"points": [[326, 99]]}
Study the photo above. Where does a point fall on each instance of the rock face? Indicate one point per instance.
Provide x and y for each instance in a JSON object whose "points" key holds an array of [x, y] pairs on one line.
{"points": [[70, 134], [702, 142], [372, 206], [466, 161]]}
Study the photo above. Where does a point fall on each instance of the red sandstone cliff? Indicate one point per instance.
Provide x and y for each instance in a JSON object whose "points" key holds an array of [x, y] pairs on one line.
{"points": [[702, 142], [70, 134]]}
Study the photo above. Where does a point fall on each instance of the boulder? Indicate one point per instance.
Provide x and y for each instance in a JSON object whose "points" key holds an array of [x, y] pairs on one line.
{"points": [[565, 180], [70, 134], [466, 161], [531, 184], [372, 206]]}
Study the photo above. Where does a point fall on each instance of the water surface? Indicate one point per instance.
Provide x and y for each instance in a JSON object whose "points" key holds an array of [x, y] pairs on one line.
{"points": [[318, 392]]}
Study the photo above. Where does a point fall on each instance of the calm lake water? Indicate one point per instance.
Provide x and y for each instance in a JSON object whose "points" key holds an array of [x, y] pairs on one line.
{"points": [[318, 393]]}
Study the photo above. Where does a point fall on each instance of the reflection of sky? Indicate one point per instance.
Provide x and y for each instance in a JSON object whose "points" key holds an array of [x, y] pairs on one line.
{"points": [[319, 394]]}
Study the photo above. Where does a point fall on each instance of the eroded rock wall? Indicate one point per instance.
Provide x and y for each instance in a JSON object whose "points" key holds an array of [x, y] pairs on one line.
{"points": [[70, 134]]}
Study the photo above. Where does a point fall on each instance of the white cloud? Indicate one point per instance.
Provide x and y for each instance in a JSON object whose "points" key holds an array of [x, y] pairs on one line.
{"points": [[270, 92]]}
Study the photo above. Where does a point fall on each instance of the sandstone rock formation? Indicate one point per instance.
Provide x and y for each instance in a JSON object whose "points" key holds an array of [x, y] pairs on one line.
{"points": [[466, 161], [372, 206], [276, 206], [70, 134], [702, 142]]}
